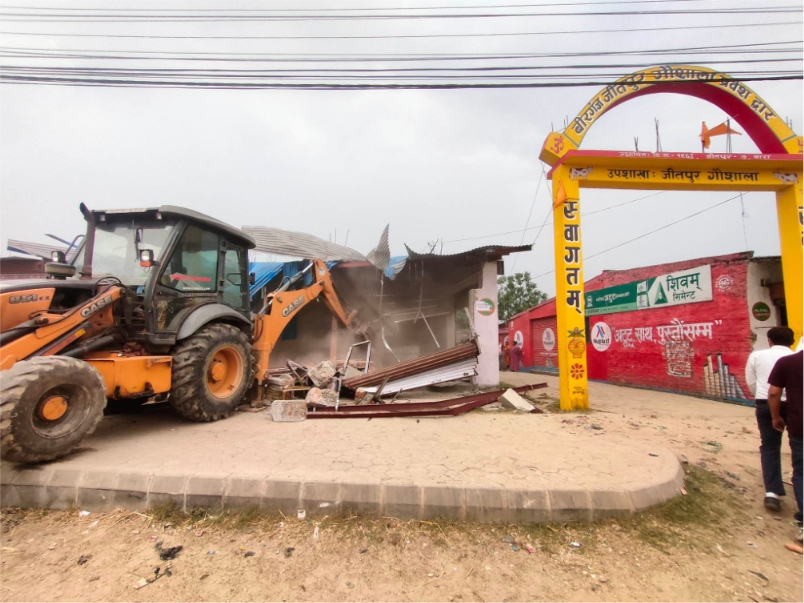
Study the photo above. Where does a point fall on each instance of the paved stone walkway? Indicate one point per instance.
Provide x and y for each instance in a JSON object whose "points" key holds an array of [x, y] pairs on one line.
{"points": [[482, 466]]}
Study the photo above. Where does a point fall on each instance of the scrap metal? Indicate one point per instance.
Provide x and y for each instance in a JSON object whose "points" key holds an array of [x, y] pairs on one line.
{"points": [[451, 407], [414, 367]]}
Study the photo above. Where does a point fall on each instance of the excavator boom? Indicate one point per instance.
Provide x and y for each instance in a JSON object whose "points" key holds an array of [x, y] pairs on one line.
{"points": [[282, 305]]}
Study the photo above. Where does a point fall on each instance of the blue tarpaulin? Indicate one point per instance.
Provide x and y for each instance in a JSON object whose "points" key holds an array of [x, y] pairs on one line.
{"points": [[264, 272]]}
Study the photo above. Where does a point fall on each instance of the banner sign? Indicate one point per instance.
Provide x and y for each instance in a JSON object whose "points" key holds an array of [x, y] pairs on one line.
{"points": [[682, 287]]}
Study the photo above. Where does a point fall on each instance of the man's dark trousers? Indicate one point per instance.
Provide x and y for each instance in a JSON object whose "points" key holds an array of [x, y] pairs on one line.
{"points": [[770, 451]]}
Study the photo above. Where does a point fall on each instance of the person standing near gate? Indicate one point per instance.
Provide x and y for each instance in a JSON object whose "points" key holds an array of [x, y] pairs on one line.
{"points": [[757, 371], [788, 376]]}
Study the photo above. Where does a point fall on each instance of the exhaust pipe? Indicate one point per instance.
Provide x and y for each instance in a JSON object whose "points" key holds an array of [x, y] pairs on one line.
{"points": [[89, 242]]}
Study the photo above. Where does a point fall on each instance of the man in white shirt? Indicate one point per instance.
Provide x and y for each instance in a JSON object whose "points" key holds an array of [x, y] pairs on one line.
{"points": [[757, 370]]}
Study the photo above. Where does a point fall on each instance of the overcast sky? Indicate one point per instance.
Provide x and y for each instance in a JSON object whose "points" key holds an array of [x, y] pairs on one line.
{"points": [[437, 165]]}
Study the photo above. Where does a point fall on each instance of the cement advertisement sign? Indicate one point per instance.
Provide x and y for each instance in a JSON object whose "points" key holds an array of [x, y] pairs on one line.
{"points": [[682, 287], [548, 339]]}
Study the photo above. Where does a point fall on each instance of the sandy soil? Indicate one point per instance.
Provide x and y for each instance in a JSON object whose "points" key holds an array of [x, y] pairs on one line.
{"points": [[715, 543]]}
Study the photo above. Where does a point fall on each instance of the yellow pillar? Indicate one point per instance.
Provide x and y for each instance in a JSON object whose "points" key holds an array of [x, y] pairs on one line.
{"points": [[790, 214], [571, 336]]}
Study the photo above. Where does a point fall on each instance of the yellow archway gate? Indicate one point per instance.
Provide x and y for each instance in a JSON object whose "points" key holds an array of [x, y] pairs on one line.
{"points": [[778, 168]]}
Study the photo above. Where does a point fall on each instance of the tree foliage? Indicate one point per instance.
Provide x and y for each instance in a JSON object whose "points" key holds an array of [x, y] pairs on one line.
{"points": [[516, 293]]}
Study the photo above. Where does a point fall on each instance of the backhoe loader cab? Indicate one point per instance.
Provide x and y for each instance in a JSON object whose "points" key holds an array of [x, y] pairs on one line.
{"points": [[181, 269], [155, 301]]}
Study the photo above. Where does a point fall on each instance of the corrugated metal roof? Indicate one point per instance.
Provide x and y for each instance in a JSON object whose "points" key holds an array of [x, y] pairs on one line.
{"points": [[490, 252], [381, 254], [299, 244], [40, 250], [264, 272], [444, 374]]}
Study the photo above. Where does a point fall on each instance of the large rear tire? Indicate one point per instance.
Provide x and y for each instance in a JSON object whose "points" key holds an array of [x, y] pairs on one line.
{"points": [[211, 373], [48, 405]]}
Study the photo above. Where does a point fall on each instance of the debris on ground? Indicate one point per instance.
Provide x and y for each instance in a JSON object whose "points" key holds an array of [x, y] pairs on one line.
{"points": [[322, 397], [83, 513], [168, 553], [794, 547], [575, 544], [511, 399], [249, 554], [301, 514], [322, 374], [508, 540], [83, 559], [288, 411], [289, 552]]}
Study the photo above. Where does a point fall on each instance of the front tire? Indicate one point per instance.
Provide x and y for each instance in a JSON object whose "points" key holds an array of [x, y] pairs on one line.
{"points": [[48, 405], [211, 373]]}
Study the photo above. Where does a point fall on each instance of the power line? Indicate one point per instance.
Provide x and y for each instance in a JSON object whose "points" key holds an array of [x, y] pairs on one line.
{"points": [[583, 215], [38, 53], [367, 9], [111, 83], [642, 236], [404, 36], [55, 17]]}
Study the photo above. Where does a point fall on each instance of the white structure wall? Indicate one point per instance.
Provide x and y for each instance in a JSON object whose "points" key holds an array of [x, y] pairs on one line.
{"points": [[488, 369], [769, 270]]}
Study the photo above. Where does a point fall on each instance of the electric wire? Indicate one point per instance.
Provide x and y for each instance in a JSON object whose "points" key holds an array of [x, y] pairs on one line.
{"points": [[56, 17], [584, 215], [406, 36], [654, 231]]}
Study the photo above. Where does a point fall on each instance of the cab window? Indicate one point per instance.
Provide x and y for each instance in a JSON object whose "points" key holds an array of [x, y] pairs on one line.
{"points": [[235, 288], [193, 267]]}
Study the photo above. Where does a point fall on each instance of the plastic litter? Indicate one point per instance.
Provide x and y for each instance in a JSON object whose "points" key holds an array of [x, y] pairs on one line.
{"points": [[515, 548], [301, 514], [508, 540], [83, 513], [140, 583], [575, 544], [315, 533], [530, 549]]}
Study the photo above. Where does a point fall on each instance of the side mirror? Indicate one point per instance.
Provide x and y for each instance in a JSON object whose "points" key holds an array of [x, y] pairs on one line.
{"points": [[58, 257], [252, 278], [59, 270], [146, 258]]}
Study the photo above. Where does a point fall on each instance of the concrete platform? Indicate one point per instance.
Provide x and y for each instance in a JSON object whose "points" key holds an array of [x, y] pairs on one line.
{"points": [[481, 466]]}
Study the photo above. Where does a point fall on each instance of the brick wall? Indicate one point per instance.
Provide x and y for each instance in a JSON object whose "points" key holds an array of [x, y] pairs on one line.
{"points": [[709, 366]]}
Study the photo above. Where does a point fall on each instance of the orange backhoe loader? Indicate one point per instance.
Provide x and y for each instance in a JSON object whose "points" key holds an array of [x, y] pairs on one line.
{"points": [[155, 301]]}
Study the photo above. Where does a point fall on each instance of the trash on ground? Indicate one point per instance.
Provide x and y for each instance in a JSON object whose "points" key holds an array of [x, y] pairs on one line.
{"points": [[301, 514], [684, 491], [575, 544], [508, 540], [212, 552], [515, 548], [794, 547], [83, 513], [168, 553], [289, 552], [759, 575], [83, 559], [140, 583], [315, 533], [653, 454], [529, 548], [249, 554]]}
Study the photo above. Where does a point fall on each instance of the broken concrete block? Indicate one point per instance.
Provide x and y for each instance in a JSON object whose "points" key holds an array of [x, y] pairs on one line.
{"points": [[288, 410], [324, 397], [363, 397], [351, 372], [511, 399], [322, 375]]}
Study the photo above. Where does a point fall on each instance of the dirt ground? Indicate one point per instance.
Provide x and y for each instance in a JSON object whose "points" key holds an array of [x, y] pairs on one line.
{"points": [[716, 543]]}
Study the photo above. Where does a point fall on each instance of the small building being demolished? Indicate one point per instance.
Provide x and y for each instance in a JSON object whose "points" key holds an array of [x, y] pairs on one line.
{"points": [[414, 308]]}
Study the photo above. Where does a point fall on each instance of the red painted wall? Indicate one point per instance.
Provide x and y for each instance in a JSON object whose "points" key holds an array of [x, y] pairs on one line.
{"points": [[633, 359]]}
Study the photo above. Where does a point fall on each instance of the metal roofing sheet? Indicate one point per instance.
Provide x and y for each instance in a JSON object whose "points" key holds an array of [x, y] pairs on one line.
{"points": [[490, 251], [299, 244]]}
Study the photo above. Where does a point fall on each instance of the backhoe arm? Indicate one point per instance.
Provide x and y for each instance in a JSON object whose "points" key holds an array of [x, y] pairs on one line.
{"points": [[280, 308]]}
